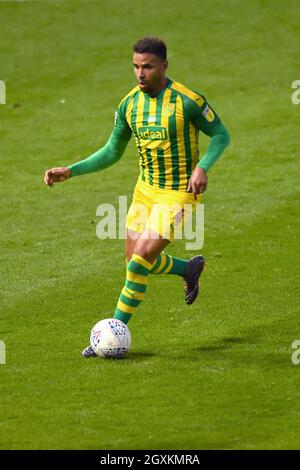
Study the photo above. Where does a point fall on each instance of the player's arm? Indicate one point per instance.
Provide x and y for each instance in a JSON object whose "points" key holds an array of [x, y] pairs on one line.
{"points": [[210, 124], [207, 121], [106, 156]]}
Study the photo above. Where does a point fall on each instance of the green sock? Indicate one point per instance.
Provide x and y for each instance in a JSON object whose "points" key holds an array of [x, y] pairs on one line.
{"points": [[134, 289], [166, 264]]}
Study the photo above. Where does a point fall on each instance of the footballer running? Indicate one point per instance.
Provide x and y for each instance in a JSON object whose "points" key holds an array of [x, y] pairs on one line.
{"points": [[165, 118]]}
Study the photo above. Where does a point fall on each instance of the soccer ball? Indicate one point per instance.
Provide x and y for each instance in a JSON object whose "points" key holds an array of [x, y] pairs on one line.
{"points": [[110, 338]]}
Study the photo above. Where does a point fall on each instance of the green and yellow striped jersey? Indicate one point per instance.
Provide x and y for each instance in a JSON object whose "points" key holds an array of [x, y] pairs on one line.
{"points": [[166, 130]]}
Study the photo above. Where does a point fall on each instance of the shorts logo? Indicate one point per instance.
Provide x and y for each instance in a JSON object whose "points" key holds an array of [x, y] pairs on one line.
{"points": [[178, 216], [152, 133], [169, 110], [208, 114]]}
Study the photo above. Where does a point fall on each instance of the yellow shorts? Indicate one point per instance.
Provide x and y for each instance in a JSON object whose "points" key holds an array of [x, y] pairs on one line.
{"points": [[163, 211]]}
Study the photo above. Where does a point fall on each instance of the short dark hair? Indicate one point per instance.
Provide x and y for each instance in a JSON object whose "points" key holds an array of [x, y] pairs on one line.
{"points": [[152, 46]]}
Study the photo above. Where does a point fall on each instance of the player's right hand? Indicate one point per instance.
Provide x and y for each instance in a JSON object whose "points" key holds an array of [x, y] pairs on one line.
{"points": [[57, 175]]}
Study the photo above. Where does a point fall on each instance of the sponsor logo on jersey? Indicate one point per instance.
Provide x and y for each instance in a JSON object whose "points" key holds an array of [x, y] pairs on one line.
{"points": [[153, 133], [116, 117], [208, 114]]}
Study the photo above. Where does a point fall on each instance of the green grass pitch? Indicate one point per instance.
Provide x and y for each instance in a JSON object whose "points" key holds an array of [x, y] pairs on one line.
{"points": [[218, 374]]}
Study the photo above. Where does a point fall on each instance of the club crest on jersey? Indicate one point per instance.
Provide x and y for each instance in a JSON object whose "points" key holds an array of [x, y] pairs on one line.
{"points": [[152, 133], [169, 110], [208, 114]]}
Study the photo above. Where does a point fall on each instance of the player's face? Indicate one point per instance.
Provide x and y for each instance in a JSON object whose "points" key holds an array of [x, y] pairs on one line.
{"points": [[150, 71]]}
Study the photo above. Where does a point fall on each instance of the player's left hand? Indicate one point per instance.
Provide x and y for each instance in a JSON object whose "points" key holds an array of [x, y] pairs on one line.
{"points": [[198, 182]]}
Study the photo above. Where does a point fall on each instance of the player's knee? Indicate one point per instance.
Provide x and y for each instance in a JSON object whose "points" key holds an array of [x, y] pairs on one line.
{"points": [[128, 253], [145, 253]]}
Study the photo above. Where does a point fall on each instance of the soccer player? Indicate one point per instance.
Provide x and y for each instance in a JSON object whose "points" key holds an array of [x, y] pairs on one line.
{"points": [[165, 118]]}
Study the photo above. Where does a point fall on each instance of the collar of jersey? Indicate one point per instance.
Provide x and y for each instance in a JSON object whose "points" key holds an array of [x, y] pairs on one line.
{"points": [[169, 83]]}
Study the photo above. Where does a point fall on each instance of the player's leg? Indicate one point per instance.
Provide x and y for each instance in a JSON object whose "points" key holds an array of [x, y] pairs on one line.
{"points": [[168, 215], [130, 294], [164, 263], [190, 270], [145, 251], [131, 239], [167, 264], [161, 222], [135, 225], [149, 245]]}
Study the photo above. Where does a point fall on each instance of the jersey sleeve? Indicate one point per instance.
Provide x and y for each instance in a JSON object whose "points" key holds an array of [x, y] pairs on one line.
{"points": [[121, 129], [111, 152], [206, 120], [203, 116]]}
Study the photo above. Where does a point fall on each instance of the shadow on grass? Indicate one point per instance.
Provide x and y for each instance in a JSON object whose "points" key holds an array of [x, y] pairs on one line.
{"points": [[257, 349], [255, 346], [140, 355], [134, 356], [229, 343]]}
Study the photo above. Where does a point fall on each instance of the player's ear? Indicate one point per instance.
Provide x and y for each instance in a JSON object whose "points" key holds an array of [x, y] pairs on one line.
{"points": [[165, 64]]}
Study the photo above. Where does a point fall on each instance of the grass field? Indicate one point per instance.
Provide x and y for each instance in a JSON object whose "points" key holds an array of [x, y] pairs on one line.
{"points": [[218, 374]]}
